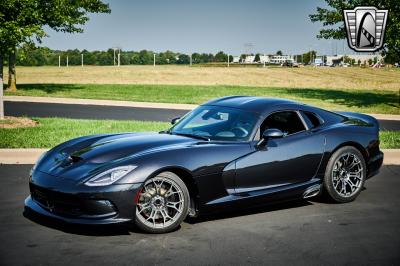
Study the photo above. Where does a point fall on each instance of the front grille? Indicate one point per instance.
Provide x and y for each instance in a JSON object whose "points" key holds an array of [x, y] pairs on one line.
{"points": [[56, 202]]}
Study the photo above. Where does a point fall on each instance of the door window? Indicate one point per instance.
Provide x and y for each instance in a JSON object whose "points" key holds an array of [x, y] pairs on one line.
{"points": [[288, 122]]}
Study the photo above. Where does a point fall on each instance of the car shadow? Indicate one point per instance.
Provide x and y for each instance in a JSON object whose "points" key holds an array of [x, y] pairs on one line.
{"points": [[227, 214], [129, 228]]}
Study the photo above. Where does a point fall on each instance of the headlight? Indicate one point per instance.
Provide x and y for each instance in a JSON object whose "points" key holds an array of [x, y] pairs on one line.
{"points": [[110, 176], [37, 161]]}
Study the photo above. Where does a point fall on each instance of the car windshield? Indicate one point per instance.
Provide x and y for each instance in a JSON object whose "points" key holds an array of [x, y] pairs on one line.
{"points": [[216, 123]]}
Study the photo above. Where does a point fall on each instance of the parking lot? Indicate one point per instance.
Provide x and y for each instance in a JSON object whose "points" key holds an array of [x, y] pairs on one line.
{"points": [[366, 231]]}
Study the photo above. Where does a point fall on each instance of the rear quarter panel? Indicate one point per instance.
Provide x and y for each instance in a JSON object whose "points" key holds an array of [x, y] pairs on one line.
{"points": [[364, 138]]}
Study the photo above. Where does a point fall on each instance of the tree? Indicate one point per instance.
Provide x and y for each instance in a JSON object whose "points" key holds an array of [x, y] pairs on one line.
{"points": [[279, 52], [19, 24], [221, 57], [22, 21], [196, 58], [332, 21], [307, 57], [257, 58], [183, 59]]}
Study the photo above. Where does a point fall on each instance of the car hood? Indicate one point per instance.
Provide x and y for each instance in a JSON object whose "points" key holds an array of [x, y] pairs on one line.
{"points": [[89, 155]]}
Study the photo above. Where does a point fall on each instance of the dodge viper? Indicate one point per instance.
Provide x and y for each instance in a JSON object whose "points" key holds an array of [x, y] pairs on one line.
{"points": [[231, 152]]}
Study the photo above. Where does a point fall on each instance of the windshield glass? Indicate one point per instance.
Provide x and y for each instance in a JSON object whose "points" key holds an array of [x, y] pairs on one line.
{"points": [[217, 123]]}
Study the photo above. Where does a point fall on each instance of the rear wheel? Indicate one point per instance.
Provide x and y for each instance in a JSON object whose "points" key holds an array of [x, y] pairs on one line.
{"points": [[163, 204], [345, 174]]}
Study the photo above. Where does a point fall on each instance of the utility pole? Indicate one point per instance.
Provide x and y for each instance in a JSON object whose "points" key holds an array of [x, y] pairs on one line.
{"points": [[190, 59], [119, 59], [114, 56], [228, 60], [82, 59], [264, 61], [1, 100], [59, 61], [67, 60], [154, 59]]}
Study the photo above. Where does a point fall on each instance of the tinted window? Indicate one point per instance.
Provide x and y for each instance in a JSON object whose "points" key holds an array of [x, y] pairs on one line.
{"points": [[217, 123], [288, 122], [311, 119]]}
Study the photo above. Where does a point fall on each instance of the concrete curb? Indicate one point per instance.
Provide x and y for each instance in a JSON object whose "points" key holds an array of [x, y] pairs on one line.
{"points": [[29, 156], [173, 106], [20, 156]]}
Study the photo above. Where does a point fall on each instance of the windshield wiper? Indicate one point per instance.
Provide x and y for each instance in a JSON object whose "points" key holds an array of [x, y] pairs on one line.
{"points": [[192, 136]]}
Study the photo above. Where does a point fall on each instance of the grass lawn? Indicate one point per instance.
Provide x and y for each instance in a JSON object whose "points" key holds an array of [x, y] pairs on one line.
{"points": [[366, 101], [354, 78], [390, 140], [52, 131]]}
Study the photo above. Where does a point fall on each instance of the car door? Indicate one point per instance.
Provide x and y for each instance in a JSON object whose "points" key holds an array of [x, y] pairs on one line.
{"points": [[292, 159]]}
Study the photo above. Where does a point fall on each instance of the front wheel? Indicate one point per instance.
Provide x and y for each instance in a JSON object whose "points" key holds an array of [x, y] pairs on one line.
{"points": [[163, 204], [345, 174]]}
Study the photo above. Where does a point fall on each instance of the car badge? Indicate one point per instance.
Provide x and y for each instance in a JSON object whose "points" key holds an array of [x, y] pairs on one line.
{"points": [[365, 26]]}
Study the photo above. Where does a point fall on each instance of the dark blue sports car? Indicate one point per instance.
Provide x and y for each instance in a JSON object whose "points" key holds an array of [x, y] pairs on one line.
{"points": [[230, 152]]}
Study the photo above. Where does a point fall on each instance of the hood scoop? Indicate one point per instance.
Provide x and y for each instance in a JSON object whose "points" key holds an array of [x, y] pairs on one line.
{"points": [[70, 160], [74, 158]]}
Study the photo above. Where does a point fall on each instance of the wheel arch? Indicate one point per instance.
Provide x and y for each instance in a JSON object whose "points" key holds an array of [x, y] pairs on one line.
{"points": [[354, 144], [187, 177]]}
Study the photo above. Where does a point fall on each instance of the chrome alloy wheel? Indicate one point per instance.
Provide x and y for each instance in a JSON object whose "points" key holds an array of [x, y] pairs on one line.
{"points": [[161, 203], [347, 175]]}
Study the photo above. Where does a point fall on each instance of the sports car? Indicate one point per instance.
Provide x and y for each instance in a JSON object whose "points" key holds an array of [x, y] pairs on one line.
{"points": [[229, 153]]}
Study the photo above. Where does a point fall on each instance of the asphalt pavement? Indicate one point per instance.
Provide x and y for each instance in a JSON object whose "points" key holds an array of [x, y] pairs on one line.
{"points": [[363, 232], [80, 111]]}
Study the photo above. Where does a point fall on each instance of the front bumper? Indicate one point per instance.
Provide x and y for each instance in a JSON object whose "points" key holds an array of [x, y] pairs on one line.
{"points": [[81, 204]]}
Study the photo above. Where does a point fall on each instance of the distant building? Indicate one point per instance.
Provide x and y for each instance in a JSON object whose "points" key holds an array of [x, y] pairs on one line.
{"points": [[276, 59], [264, 59], [236, 59], [319, 61], [362, 58], [268, 59], [249, 59], [280, 59]]}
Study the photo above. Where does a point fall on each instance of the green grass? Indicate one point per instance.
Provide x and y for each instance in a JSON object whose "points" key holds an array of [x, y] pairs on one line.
{"points": [[390, 140], [365, 101], [52, 131]]}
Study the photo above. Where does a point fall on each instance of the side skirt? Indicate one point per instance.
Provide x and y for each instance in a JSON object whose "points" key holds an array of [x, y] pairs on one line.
{"points": [[266, 196]]}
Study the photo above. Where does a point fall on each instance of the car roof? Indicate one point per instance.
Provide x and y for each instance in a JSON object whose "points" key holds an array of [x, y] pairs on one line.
{"points": [[249, 103]]}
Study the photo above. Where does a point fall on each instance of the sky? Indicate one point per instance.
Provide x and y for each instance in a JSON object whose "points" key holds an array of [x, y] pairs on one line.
{"points": [[187, 26]]}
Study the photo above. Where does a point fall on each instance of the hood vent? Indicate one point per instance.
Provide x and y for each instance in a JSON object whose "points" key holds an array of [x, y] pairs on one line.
{"points": [[74, 159]]}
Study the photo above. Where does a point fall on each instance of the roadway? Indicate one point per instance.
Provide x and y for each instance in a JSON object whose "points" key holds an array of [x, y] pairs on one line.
{"points": [[363, 232], [80, 111]]}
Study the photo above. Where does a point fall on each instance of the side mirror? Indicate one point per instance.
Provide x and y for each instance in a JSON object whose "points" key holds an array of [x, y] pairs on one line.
{"points": [[272, 133], [175, 120]]}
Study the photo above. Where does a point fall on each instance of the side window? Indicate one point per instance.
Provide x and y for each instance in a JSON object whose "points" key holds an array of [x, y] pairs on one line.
{"points": [[311, 119], [288, 122]]}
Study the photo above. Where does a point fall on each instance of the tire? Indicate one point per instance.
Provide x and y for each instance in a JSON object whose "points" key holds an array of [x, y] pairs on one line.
{"points": [[163, 204], [345, 176]]}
